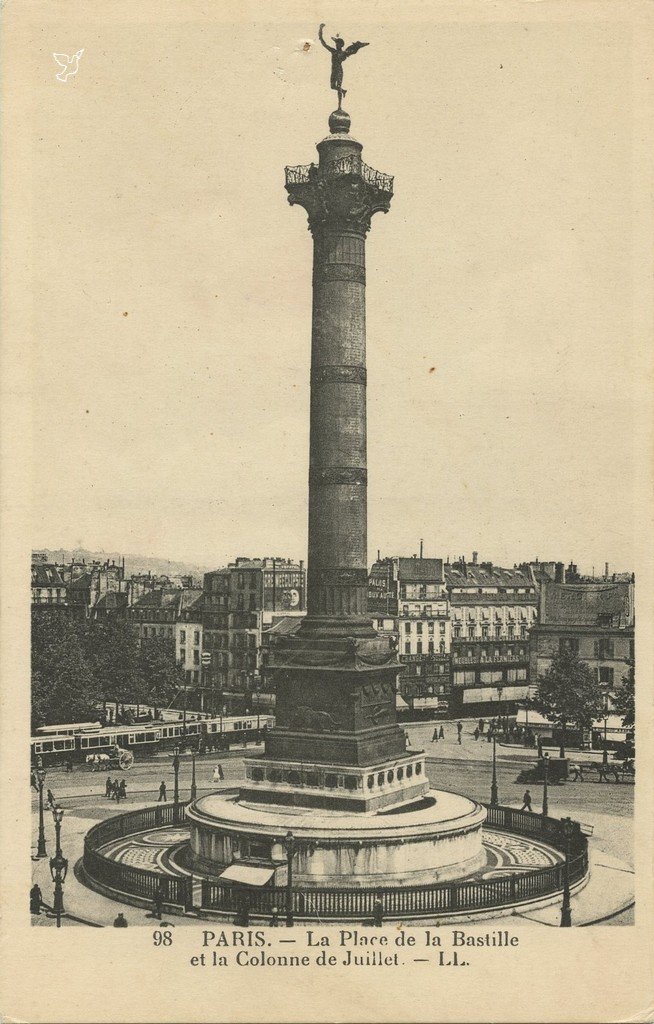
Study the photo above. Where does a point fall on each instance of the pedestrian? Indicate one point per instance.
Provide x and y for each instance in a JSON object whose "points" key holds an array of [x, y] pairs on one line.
{"points": [[162, 792], [434, 738], [459, 730], [441, 733], [69, 765], [36, 899], [34, 781], [157, 901], [117, 793], [378, 913], [122, 788], [481, 726], [489, 736], [539, 746], [109, 787], [476, 733], [51, 800], [526, 802], [120, 921], [274, 920], [221, 774]]}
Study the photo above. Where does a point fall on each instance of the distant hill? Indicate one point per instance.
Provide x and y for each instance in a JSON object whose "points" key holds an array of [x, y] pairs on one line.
{"points": [[134, 564]]}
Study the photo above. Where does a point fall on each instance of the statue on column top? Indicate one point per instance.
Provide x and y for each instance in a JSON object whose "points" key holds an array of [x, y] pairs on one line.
{"points": [[340, 52]]}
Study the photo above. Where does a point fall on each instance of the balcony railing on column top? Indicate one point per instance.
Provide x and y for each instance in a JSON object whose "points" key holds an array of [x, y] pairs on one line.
{"points": [[302, 174]]}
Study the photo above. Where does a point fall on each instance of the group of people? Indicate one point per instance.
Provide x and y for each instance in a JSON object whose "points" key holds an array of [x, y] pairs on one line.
{"points": [[115, 789], [439, 733]]}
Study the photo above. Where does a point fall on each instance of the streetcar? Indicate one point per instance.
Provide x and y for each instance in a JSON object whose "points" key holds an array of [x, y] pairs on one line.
{"points": [[56, 744]]}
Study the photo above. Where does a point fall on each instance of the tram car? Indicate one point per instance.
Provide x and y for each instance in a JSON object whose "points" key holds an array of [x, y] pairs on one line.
{"points": [[55, 744]]}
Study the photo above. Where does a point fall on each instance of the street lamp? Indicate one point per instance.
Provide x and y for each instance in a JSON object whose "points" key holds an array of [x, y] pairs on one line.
{"points": [[494, 799], [546, 765], [194, 788], [566, 918], [289, 843], [58, 867], [40, 775], [176, 792], [605, 752]]}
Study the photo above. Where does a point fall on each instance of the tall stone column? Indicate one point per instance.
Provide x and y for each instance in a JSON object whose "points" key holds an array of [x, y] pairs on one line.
{"points": [[335, 680]]}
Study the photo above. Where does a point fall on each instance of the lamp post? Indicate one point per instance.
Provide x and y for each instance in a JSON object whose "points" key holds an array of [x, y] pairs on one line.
{"points": [[194, 788], [40, 775], [566, 918], [605, 752], [494, 799], [546, 765], [289, 843], [58, 867], [176, 791]]}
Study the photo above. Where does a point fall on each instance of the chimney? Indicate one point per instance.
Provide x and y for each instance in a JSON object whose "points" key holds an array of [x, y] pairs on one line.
{"points": [[421, 547], [606, 570], [474, 557], [378, 555], [559, 573]]}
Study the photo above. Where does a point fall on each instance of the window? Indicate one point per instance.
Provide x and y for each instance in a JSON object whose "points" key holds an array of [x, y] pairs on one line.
{"points": [[523, 632], [568, 643], [431, 646], [196, 657], [419, 627], [604, 649], [419, 647], [253, 602], [441, 647], [484, 632], [511, 630], [605, 675], [471, 632], [196, 637], [407, 647], [182, 654], [182, 636], [407, 627], [430, 627], [456, 632]]}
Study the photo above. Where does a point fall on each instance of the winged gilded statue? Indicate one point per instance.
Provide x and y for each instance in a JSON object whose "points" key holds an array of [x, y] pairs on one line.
{"points": [[340, 52]]}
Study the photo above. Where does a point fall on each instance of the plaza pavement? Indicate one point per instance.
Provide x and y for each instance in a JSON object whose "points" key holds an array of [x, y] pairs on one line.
{"points": [[463, 768]]}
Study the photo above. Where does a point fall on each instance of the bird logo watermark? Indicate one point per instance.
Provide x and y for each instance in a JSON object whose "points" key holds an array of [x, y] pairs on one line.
{"points": [[69, 64]]}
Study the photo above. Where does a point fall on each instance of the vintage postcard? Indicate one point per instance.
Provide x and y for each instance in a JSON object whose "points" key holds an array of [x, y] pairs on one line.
{"points": [[327, 512]]}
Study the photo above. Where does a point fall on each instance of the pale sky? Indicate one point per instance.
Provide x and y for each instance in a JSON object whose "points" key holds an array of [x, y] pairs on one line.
{"points": [[501, 359]]}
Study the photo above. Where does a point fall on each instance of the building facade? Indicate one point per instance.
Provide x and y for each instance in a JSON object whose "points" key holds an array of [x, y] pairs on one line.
{"points": [[493, 611], [409, 602], [239, 602], [595, 620]]}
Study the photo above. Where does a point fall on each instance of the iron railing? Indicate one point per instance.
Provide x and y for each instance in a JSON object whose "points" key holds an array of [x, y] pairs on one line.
{"points": [[433, 899], [302, 174]]}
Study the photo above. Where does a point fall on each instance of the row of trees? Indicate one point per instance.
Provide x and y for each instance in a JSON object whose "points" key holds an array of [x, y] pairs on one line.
{"points": [[77, 665], [570, 696]]}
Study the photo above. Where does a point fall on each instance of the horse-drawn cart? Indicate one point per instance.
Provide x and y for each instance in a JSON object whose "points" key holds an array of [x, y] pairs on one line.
{"points": [[600, 772], [114, 758]]}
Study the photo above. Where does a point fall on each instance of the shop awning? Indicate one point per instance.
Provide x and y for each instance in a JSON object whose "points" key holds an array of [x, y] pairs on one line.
{"points": [[247, 874], [400, 703]]}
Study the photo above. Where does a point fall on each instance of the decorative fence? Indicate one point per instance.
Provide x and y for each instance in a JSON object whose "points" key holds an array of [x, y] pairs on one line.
{"points": [[127, 879], [466, 896]]}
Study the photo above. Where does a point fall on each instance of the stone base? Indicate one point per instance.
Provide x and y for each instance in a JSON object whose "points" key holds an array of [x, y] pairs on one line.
{"points": [[440, 840], [393, 783]]}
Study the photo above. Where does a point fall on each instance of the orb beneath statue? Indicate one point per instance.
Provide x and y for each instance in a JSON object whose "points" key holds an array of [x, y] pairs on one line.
{"points": [[339, 122]]}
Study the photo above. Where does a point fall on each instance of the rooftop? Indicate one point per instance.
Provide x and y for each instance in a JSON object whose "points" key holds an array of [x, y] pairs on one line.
{"points": [[586, 604]]}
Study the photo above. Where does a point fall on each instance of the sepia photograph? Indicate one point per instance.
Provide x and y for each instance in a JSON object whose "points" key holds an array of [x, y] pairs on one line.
{"points": [[330, 455]]}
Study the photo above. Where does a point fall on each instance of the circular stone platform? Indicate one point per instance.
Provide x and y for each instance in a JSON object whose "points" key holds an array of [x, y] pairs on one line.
{"points": [[167, 850], [437, 839]]}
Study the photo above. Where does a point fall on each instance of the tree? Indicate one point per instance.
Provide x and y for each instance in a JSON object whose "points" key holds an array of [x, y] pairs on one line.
{"points": [[161, 676], [63, 685], [569, 694], [624, 699], [112, 649]]}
